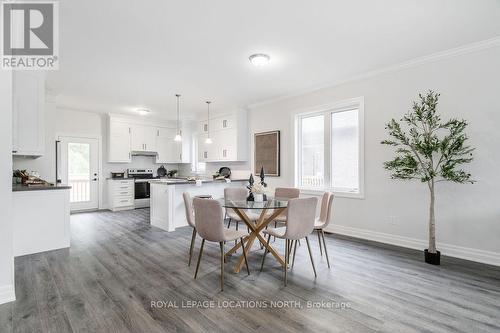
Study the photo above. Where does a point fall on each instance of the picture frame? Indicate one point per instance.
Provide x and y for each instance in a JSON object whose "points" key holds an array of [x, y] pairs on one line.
{"points": [[267, 153]]}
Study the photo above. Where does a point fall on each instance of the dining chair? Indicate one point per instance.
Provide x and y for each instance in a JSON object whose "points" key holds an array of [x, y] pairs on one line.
{"points": [[300, 215], [285, 193], [322, 222], [188, 205], [236, 194], [209, 223]]}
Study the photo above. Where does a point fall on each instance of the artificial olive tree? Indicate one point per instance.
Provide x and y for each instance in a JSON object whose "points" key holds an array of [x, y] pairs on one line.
{"points": [[429, 150]]}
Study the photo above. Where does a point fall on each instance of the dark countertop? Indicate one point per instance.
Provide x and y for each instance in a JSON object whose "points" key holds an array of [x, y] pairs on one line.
{"points": [[187, 182], [21, 187]]}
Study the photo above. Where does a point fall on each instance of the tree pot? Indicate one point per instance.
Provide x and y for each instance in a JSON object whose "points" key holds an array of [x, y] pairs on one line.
{"points": [[432, 258]]}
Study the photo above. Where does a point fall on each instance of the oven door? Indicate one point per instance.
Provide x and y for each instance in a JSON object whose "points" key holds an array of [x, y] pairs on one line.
{"points": [[141, 189]]}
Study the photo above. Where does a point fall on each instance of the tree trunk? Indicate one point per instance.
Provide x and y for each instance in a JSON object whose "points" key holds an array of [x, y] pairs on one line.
{"points": [[432, 221]]}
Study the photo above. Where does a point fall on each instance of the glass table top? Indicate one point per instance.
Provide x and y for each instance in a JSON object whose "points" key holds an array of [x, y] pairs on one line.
{"points": [[269, 204]]}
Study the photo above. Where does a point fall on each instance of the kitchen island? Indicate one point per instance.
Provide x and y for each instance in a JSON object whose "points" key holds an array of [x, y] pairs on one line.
{"points": [[167, 204], [40, 218]]}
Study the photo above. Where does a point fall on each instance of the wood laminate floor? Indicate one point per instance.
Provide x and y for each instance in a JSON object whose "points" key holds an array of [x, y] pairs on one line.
{"points": [[118, 264]]}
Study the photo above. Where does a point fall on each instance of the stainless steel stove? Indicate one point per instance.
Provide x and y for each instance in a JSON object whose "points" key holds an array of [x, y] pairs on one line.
{"points": [[141, 186]]}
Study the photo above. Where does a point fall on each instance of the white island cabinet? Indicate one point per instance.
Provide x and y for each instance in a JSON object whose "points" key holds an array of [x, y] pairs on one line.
{"points": [[167, 204], [40, 219]]}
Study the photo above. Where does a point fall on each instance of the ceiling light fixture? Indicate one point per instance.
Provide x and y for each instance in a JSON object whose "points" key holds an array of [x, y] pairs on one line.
{"points": [[143, 112], [259, 59], [178, 136], [208, 140]]}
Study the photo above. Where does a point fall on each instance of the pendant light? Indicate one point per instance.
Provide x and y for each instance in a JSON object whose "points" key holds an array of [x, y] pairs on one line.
{"points": [[178, 136], [208, 140]]}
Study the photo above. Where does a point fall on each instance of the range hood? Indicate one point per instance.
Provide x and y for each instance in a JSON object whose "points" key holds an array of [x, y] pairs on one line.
{"points": [[143, 153]]}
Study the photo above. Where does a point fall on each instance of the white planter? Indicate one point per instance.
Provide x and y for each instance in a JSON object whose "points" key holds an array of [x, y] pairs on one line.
{"points": [[258, 197]]}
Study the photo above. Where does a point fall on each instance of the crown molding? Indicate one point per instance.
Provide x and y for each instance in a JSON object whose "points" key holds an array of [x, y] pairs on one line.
{"points": [[450, 53]]}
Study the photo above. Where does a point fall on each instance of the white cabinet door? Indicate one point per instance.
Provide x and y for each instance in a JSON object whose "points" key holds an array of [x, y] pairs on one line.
{"points": [[227, 145], [143, 138], [119, 142], [28, 114], [169, 151], [223, 123]]}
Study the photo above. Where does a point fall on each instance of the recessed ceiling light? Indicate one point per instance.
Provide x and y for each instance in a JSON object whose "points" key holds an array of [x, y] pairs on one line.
{"points": [[259, 59], [143, 112]]}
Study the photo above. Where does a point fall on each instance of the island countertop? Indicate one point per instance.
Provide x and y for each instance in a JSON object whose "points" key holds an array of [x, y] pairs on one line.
{"points": [[21, 187], [192, 182]]}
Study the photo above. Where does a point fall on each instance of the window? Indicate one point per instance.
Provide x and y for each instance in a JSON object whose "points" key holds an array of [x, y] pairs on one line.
{"points": [[329, 149]]}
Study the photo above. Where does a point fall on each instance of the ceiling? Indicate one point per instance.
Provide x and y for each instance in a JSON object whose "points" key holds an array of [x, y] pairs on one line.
{"points": [[119, 55]]}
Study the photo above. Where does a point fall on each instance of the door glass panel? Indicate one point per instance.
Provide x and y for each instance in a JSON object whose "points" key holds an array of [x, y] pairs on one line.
{"points": [[79, 176], [312, 152]]}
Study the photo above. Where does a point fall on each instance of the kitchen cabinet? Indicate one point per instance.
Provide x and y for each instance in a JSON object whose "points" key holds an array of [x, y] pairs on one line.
{"points": [[229, 134], [28, 116], [120, 194], [128, 137], [143, 138], [168, 150], [119, 142]]}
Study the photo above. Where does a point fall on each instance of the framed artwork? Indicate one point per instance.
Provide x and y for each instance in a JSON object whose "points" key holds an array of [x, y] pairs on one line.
{"points": [[267, 153]]}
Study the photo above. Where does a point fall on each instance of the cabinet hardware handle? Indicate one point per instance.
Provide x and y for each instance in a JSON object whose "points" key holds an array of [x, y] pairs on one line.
{"points": [[224, 123], [123, 192], [123, 200]]}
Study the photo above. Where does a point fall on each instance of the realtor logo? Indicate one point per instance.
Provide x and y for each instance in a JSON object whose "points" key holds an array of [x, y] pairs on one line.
{"points": [[29, 35]]}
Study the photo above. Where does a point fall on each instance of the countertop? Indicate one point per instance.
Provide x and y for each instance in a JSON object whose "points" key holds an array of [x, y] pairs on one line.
{"points": [[187, 182], [21, 187]]}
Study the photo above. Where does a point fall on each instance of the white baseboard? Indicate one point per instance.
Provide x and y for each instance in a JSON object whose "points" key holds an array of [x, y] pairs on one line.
{"points": [[486, 257], [7, 294]]}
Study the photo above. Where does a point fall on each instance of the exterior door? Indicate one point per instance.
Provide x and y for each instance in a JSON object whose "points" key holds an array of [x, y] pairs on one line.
{"points": [[79, 162]]}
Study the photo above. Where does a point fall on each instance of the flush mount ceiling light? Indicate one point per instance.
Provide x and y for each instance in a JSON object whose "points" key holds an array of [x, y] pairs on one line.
{"points": [[208, 140], [143, 112], [178, 136], [259, 59]]}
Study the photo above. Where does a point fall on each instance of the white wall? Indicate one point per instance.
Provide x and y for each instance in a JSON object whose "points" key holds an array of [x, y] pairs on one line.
{"points": [[7, 292], [60, 121], [467, 215]]}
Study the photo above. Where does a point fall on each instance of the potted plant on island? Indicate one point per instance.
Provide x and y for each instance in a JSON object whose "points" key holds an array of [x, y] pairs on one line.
{"points": [[431, 151]]}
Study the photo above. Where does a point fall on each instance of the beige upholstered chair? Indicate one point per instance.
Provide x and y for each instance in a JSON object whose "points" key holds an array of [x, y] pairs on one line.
{"points": [[300, 215], [236, 194], [209, 223], [285, 193], [323, 220], [188, 204]]}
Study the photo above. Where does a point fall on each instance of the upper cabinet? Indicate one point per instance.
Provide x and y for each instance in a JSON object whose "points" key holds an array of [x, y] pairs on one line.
{"points": [[119, 141], [28, 121], [143, 138], [229, 134], [128, 137], [169, 151]]}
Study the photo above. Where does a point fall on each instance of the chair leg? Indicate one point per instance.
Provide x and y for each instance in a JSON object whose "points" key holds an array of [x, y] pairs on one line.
{"points": [[245, 255], [324, 245], [265, 253], [221, 266], [193, 238], [199, 258], [229, 223], [310, 255], [286, 259], [294, 251], [275, 225], [319, 242], [237, 224]]}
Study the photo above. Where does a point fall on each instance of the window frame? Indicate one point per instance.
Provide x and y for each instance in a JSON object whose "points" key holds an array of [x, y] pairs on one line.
{"points": [[327, 111]]}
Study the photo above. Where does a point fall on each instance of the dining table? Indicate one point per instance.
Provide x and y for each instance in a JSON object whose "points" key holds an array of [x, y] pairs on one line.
{"points": [[269, 210]]}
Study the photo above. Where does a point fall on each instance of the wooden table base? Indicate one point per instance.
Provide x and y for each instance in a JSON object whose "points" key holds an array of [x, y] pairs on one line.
{"points": [[256, 228]]}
